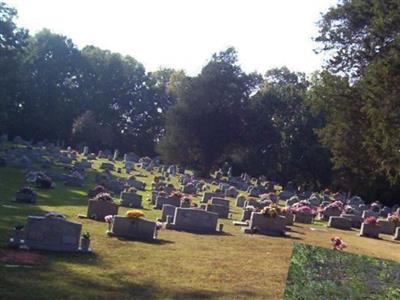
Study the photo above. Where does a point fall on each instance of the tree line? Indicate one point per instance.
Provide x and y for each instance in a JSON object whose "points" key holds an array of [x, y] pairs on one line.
{"points": [[338, 128]]}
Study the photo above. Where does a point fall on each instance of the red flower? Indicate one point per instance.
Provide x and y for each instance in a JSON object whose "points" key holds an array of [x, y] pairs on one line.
{"points": [[338, 243]]}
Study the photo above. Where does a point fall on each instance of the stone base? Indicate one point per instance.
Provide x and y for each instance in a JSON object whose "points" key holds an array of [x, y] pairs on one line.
{"points": [[397, 234], [191, 229], [249, 230], [239, 223]]}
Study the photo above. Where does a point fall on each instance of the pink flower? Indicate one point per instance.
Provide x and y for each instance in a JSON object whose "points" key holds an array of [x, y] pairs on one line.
{"points": [[109, 219], [338, 243]]}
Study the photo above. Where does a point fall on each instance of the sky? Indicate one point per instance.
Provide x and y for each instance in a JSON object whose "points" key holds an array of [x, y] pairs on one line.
{"points": [[183, 34]]}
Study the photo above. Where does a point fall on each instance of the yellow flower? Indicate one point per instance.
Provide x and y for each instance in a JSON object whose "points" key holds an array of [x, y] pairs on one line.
{"points": [[134, 213]]}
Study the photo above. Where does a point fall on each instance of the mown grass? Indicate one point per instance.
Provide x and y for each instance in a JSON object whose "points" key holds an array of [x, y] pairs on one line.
{"points": [[179, 266]]}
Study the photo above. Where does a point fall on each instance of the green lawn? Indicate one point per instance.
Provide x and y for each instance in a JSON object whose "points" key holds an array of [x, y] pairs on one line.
{"points": [[178, 266]]}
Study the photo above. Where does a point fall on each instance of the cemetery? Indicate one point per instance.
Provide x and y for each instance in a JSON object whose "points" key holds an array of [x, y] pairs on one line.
{"points": [[166, 222]]}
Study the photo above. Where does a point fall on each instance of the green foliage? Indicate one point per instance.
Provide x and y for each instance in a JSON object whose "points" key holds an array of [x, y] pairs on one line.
{"points": [[87, 130], [12, 41], [318, 273], [356, 32], [205, 123]]}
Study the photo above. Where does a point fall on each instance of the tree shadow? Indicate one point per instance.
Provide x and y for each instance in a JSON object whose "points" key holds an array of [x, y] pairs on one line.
{"points": [[152, 242]]}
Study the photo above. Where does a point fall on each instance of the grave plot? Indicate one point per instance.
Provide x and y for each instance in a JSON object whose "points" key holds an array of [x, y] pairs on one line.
{"points": [[193, 220], [51, 232]]}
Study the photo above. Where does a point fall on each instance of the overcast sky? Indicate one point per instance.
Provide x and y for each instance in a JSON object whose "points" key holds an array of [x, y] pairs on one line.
{"points": [[183, 34]]}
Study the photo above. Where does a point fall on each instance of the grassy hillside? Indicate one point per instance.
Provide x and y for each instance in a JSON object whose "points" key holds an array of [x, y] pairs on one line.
{"points": [[178, 266]]}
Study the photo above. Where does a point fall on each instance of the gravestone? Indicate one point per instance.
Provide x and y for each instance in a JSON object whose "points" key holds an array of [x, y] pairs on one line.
{"points": [[193, 220], [285, 195], [289, 217], [25, 195], [208, 195], [246, 215], [231, 192], [160, 201], [133, 228], [314, 201], [356, 201], [260, 223], [107, 166], [189, 189], [136, 184], [116, 154], [253, 191], [303, 218], [369, 213], [330, 211], [167, 210], [240, 200], [339, 223], [53, 234], [85, 151], [221, 210], [220, 201], [370, 230], [386, 227], [185, 202], [355, 220], [171, 170], [131, 200], [115, 185], [291, 201], [97, 210]]}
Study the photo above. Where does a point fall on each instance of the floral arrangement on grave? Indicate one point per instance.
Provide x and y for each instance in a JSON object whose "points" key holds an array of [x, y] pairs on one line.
{"points": [[85, 241], [43, 181], [18, 227], [177, 195], [26, 190], [130, 190], [252, 201], [186, 200], [109, 220], [395, 218], [106, 197], [370, 220], [55, 215], [271, 211], [337, 204], [134, 213], [98, 189], [304, 210], [86, 236], [338, 243], [349, 210]]}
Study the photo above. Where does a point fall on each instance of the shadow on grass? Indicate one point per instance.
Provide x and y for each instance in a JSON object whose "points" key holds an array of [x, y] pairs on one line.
{"points": [[114, 286], [153, 242]]}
